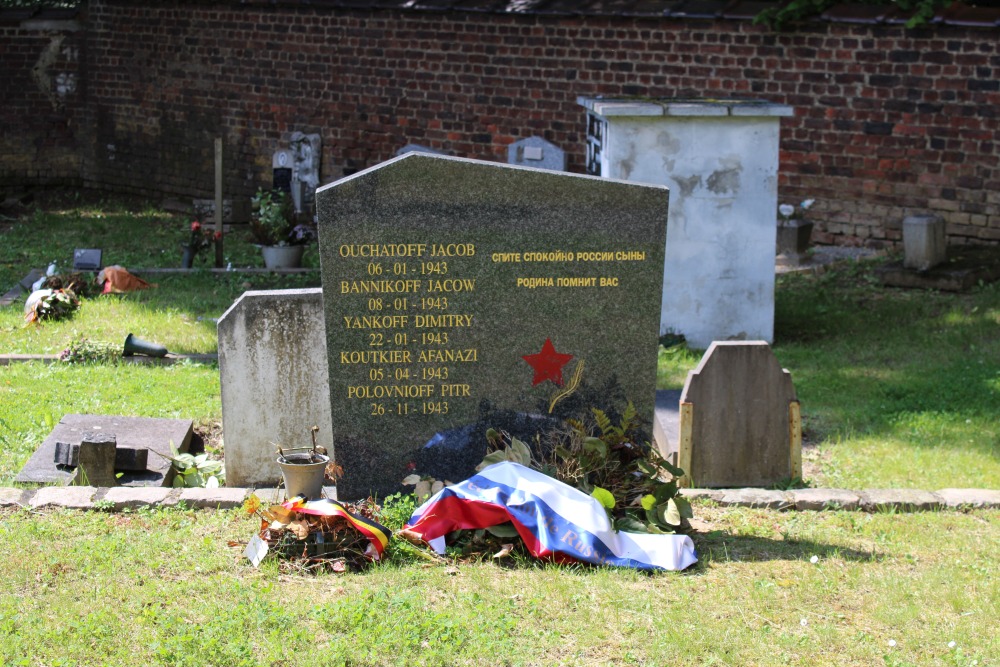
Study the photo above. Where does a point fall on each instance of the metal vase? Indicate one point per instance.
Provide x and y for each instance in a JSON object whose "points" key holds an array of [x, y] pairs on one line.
{"points": [[301, 475]]}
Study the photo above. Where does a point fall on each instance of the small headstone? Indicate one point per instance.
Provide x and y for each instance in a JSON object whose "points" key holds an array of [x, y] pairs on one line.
{"points": [[96, 466], [273, 371], [462, 294], [925, 244], [87, 259], [281, 171], [536, 152], [738, 419]]}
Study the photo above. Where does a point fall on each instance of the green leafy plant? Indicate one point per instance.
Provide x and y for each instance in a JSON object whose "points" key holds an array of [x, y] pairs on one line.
{"points": [[196, 470], [273, 221], [782, 16], [636, 486]]}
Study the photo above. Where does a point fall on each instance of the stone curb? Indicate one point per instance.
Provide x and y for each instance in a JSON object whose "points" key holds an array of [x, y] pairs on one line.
{"points": [[868, 500]]}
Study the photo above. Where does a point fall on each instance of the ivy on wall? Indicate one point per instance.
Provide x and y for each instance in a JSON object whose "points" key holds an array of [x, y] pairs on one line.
{"points": [[782, 16]]}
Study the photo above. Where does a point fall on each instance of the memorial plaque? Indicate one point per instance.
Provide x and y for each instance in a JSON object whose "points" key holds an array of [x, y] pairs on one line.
{"points": [[460, 295]]}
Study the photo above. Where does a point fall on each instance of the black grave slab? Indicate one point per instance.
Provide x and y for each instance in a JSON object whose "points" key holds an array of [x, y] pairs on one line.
{"points": [[131, 432], [456, 290]]}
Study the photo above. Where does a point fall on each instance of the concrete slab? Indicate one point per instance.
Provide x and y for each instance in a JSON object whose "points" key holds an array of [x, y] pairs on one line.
{"points": [[133, 432], [906, 500], [70, 497], [825, 499], [757, 498], [973, 498], [132, 497], [222, 498], [10, 497]]}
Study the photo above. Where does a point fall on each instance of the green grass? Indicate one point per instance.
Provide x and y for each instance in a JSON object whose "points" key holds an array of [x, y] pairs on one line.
{"points": [[161, 587], [898, 388]]}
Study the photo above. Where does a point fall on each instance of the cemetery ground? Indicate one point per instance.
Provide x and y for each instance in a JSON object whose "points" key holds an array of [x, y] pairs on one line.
{"points": [[898, 389]]}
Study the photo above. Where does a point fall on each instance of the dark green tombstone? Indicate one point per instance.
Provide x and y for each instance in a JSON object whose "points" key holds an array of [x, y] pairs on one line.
{"points": [[461, 294]]}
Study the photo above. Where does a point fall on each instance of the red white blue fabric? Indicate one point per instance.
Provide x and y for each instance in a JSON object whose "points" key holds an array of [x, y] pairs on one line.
{"points": [[554, 519]]}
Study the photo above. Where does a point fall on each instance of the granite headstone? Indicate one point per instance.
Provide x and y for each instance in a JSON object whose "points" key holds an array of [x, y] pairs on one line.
{"points": [[460, 295]]}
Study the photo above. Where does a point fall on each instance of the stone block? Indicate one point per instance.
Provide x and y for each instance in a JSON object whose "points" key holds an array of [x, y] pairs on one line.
{"points": [[736, 424], [70, 497], [11, 497], [925, 243], [221, 498], [703, 494], [274, 376], [825, 499], [905, 500], [757, 498], [461, 295], [970, 498], [67, 454], [97, 460], [131, 458], [133, 497]]}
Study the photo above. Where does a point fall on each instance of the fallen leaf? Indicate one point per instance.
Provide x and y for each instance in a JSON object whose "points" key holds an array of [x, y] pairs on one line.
{"points": [[338, 566], [299, 528], [452, 570]]}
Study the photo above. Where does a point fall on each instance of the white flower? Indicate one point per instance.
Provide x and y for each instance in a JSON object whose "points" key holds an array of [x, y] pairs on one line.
{"points": [[786, 210], [814, 559], [892, 642], [951, 644], [806, 204], [803, 622]]}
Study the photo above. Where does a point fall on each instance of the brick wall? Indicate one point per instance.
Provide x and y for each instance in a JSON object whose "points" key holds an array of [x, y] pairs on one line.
{"points": [[40, 93], [889, 121]]}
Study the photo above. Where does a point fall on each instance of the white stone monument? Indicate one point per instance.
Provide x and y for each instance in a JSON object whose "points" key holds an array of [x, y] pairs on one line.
{"points": [[720, 160], [275, 386]]}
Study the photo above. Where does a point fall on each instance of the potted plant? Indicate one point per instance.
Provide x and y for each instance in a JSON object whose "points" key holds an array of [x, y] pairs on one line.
{"points": [[198, 238], [273, 230]]}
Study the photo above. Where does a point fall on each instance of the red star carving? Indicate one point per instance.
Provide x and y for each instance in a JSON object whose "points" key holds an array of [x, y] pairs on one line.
{"points": [[547, 364]]}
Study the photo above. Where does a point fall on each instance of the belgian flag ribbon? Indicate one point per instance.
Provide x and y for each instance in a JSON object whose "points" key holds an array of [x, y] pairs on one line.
{"points": [[377, 534]]}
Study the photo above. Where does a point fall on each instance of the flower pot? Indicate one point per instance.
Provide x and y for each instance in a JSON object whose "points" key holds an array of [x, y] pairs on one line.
{"points": [[282, 256], [134, 345], [187, 259], [303, 474]]}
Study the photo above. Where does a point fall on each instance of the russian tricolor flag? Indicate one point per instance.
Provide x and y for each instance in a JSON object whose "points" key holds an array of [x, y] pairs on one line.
{"points": [[554, 519]]}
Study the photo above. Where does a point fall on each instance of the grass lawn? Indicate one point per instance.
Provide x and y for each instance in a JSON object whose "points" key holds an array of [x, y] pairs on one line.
{"points": [[898, 388]]}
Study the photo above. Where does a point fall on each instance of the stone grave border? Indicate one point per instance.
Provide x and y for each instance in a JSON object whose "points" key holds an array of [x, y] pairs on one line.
{"points": [[867, 500]]}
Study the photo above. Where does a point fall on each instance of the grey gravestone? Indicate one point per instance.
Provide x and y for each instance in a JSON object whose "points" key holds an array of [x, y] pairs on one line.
{"points": [[96, 463], [738, 419], [536, 152], [130, 432], [273, 372], [925, 244], [461, 294]]}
